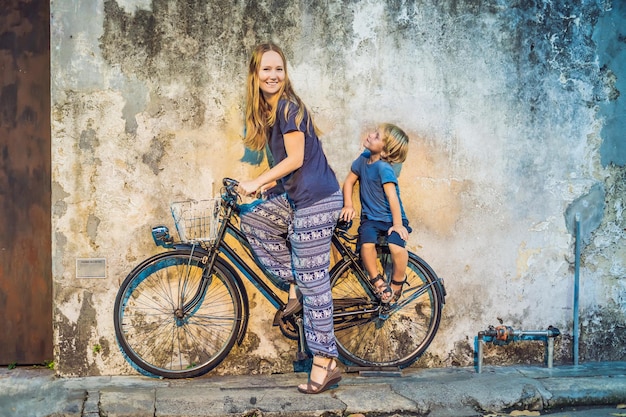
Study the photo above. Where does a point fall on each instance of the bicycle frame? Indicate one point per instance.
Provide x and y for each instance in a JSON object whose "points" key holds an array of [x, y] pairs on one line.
{"points": [[346, 253]]}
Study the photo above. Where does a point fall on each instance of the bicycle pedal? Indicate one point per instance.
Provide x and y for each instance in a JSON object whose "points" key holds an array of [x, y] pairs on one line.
{"points": [[278, 318]]}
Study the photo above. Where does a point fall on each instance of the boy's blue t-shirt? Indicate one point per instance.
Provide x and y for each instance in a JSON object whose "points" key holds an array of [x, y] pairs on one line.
{"points": [[315, 179], [372, 177]]}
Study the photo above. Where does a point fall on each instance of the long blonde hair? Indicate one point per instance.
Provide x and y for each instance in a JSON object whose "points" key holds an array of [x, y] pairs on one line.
{"points": [[261, 114], [396, 143]]}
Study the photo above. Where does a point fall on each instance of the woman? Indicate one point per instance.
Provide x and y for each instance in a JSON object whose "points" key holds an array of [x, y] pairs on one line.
{"points": [[304, 212]]}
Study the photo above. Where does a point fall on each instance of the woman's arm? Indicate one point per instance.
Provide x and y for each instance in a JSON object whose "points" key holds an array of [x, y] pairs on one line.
{"points": [[294, 146]]}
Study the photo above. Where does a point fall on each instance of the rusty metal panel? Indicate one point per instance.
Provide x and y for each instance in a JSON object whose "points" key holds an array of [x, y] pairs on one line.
{"points": [[25, 191]]}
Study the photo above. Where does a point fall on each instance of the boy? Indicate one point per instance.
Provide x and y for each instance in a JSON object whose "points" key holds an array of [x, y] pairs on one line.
{"points": [[381, 208]]}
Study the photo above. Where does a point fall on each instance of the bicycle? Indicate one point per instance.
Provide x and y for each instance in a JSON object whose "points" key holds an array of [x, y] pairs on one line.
{"points": [[179, 313]]}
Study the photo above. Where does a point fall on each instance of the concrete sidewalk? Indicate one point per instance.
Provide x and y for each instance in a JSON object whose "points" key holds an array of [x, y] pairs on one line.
{"points": [[445, 392]]}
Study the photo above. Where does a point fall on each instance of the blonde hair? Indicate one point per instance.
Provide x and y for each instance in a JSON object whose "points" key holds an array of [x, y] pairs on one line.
{"points": [[261, 114], [396, 143]]}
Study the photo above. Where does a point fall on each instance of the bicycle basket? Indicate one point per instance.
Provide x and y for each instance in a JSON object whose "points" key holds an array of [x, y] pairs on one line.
{"points": [[196, 221]]}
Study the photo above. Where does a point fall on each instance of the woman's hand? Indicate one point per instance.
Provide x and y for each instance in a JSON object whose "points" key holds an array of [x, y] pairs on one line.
{"points": [[248, 187]]}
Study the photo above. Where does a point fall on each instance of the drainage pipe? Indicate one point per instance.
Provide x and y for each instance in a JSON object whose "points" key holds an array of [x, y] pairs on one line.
{"points": [[576, 288]]}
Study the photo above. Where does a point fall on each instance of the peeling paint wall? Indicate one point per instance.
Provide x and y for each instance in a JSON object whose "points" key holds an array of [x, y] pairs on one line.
{"points": [[506, 104]]}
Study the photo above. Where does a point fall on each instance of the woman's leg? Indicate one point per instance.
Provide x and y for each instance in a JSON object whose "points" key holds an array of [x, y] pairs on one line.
{"points": [[324, 374], [266, 226], [312, 233]]}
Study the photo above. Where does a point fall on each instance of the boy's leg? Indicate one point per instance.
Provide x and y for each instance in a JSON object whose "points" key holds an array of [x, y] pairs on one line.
{"points": [[368, 256], [400, 259], [266, 226], [368, 236]]}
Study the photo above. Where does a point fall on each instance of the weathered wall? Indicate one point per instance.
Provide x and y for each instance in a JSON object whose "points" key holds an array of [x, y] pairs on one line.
{"points": [[505, 103]]}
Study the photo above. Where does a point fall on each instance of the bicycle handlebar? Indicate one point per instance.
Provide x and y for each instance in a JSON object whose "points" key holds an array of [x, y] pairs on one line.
{"points": [[230, 183], [230, 193]]}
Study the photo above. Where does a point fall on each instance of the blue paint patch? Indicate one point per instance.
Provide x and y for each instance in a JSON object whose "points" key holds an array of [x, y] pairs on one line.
{"points": [[252, 157], [591, 209]]}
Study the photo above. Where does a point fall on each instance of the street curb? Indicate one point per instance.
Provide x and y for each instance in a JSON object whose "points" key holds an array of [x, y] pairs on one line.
{"points": [[439, 392]]}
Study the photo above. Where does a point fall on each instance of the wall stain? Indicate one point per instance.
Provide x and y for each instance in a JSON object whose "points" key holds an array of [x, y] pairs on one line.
{"points": [[158, 44], [188, 109], [74, 339], [156, 151], [92, 230], [242, 361], [603, 333], [59, 208], [88, 140]]}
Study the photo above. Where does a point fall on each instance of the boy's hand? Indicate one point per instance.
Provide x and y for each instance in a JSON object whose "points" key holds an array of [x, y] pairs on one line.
{"points": [[401, 230], [347, 213]]}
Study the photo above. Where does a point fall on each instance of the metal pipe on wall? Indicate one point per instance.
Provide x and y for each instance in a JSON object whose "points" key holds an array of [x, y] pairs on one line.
{"points": [[575, 331]]}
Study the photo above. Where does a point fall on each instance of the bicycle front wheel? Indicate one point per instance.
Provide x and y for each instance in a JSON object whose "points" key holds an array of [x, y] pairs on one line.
{"points": [[158, 329], [373, 335]]}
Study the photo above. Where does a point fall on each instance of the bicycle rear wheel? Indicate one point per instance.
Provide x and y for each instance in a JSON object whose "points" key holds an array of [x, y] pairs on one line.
{"points": [[161, 339], [370, 334]]}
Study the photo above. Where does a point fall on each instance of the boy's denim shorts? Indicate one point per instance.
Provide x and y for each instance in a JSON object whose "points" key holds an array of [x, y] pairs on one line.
{"points": [[371, 230]]}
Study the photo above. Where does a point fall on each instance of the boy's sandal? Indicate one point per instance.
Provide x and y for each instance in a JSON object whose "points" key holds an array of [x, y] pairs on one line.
{"points": [[398, 293], [382, 290], [333, 376]]}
